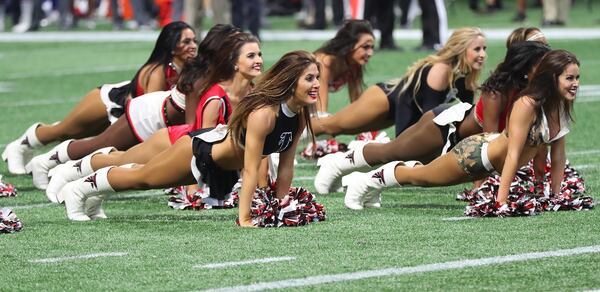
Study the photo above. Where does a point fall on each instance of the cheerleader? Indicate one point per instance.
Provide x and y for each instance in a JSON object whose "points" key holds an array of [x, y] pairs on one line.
{"points": [[269, 120], [102, 106]]}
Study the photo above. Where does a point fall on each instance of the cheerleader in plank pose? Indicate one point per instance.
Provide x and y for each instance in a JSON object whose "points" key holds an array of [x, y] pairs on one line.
{"points": [[270, 119], [441, 128], [226, 80], [540, 117], [102, 106], [451, 73], [145, 115], [343, 59]]}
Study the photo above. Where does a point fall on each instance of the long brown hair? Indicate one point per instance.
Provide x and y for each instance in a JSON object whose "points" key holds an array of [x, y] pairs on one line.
{"points": [[274, 87], [341, 46], [207, 49], [222, 65], [543, 84]]}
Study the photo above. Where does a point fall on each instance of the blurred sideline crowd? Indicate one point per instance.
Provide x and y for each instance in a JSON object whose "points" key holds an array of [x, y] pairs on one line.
{"points": [[32, 15]]}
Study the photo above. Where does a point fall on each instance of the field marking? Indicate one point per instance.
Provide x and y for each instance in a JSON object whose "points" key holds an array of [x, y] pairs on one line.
{"points": [[461, 264], [586, 166], [148, 193], [80, 257], [591, 98], [34, 206], [584, 152], [6, 87], [457, 218], [44, 102], [240, 263], [275, 35], [104, 69]]}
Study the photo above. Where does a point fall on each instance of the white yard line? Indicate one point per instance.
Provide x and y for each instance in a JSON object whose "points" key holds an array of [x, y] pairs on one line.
{"points": [[241, 263], [150, 193], [583, 152], [457, 218], [274, 35], [461, 264], [586, 166], [80, 257], [43, 102], [5, 87], [34, 206], [591, 98], [67, 72]]}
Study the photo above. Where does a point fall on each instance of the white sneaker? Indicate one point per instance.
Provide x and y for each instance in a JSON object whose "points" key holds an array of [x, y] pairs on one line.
{"points": [[93, 207], [356, 190], [40, 165], [83, 197], [16, 154], [75, 201], [373, 200], [367, 187], [329, 176], [336, 165], [60, 176]]}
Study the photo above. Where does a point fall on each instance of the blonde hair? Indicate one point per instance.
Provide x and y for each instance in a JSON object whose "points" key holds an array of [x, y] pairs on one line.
{"points": [[453, 53]]}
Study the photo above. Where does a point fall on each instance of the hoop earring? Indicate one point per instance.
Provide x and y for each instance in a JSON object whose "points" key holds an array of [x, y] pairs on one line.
{"points": [[235, 68]]}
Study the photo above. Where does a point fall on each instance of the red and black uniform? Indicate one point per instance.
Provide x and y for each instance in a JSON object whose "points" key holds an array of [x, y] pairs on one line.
{"points": [[215, 92]]}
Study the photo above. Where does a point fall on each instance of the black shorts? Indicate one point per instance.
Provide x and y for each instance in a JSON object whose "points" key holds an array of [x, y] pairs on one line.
{"points": [[453, 138], [220, 181], [114, 97]]}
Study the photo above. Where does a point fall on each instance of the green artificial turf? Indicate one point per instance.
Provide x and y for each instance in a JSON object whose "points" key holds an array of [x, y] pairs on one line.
{"points": [[163, 245]]}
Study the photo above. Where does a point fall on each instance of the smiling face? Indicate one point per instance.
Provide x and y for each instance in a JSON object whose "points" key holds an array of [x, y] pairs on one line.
{"points": [[568, 82], [250, 62], [363, 49], [475, 55], [307, 88], [186, 48]]}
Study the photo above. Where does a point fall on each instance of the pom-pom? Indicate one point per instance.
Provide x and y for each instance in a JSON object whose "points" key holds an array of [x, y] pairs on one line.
{"points": [[6, 189], [322, 148], [201, 200], [9, 222], [297, 208], [526, 196]]}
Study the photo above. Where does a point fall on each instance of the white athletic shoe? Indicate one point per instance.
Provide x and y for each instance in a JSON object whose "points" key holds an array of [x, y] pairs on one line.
{"points": [[15, 154], [75, 198], [83, 197], [70, 171], [334, 166], [328, 177], [20, 151], [40, 165], [93, 207], [60, 176]]}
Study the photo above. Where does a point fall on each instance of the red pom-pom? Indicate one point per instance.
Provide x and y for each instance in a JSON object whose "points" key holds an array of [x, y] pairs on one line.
{"points": [[6, 189], [295, 209], [526, 196], [9, 222]]}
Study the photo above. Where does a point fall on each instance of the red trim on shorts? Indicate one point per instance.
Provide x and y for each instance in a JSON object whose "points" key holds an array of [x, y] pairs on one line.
{"points": [[130, 123]]}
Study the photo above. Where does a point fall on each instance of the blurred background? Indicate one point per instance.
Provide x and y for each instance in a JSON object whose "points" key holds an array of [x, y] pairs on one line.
{"points": [[50, 15]]}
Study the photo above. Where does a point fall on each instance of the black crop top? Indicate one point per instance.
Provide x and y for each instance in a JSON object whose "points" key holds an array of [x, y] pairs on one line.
{"points": [[282, 136]]}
